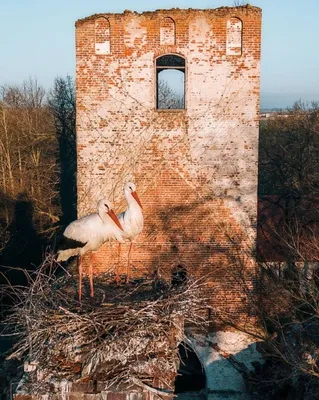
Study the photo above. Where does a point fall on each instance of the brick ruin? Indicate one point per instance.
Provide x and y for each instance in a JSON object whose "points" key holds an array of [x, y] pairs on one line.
{"points": [[195, 166]]}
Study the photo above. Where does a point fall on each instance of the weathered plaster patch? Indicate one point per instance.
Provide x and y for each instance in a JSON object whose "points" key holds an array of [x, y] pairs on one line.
{"points": [[220, 374]]}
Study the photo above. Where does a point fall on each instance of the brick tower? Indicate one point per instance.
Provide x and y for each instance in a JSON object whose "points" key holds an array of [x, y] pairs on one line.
{"points": [[192, 154]]}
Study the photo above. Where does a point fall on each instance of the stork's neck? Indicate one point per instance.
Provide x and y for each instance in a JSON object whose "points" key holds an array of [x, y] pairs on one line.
{"points": [[104, 217], [131, 202]]}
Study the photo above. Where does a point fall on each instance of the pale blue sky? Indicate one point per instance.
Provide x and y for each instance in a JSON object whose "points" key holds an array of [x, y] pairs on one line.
{"points": [[37, 39]]}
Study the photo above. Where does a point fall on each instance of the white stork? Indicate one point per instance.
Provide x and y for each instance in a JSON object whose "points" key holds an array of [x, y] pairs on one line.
{"points": [[131, 219], [92, 231]]}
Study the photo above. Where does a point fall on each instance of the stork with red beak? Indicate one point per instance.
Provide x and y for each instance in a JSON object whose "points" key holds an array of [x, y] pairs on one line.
{"points": [[132, 221], [91, 232]]}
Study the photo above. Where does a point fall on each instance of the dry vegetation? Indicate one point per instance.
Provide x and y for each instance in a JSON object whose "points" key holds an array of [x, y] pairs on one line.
{"points": [[28, 160], [128, 335], [287, 309], [289, 186], [37, 157], [288, 299]]}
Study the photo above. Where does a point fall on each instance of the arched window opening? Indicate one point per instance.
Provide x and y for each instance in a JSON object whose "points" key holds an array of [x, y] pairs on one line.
{"points": [[234, 37], [179, 276], [102, 36], [170, 82], [191, 375], [167, 31]]}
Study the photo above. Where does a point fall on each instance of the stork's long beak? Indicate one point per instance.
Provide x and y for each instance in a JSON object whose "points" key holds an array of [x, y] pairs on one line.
{"points": [[115, 219], [134, 194]]}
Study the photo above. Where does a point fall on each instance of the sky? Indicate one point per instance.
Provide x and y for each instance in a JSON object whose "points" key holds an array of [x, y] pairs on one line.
{"points": [[37, 40]]}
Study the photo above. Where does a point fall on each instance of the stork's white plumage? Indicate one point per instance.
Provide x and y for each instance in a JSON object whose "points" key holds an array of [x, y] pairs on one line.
{"points": [[131, 219], [92, 230]]}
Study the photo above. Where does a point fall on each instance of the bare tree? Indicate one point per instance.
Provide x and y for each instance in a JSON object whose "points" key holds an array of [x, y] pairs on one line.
{"points": [[168, 98], [241, 3], [29, 173], [289, 182], [62, 106]]}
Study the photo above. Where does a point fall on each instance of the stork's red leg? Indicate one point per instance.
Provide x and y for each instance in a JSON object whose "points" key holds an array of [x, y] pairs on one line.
{"points": [[92, 258], [80, 278], [117, 273], [129, 264]]}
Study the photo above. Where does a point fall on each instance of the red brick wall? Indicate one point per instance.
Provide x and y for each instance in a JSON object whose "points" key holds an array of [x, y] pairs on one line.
{"points": [[195, 169]]}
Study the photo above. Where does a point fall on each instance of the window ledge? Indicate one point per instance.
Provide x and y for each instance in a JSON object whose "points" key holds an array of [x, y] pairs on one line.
{"points": [[170, 109]]}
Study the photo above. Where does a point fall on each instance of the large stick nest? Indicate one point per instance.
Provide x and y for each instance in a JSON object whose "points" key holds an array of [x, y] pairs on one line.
{"points": [[129, 333]]}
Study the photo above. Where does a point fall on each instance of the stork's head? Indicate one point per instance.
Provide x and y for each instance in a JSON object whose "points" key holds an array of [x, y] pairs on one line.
{"points": [[104, 206], [130, 189]]}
